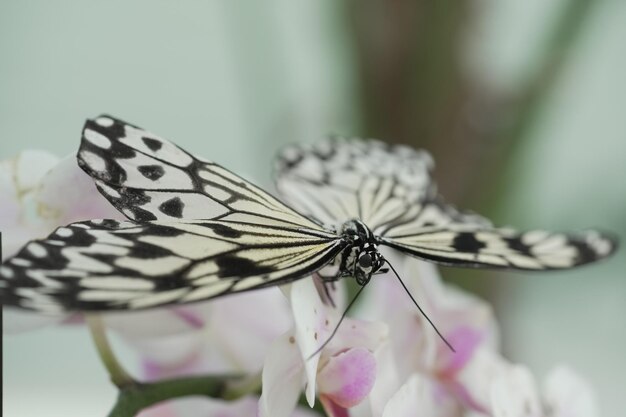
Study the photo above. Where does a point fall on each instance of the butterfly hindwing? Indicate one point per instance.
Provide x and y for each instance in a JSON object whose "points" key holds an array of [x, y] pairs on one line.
{"points": [[341, 179], [110, 265]]}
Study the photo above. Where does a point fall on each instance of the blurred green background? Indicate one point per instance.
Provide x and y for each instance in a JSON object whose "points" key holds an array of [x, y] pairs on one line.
{"points": [[521, 103]]}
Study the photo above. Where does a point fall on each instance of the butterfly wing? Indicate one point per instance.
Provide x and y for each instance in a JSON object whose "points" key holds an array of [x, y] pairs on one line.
{"points": [[148, 178], [457, 244], [108, 265], [342, 179], [390, 190], [203, 232]]}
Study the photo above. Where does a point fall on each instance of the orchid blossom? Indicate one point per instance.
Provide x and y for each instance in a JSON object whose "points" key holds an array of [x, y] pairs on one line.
{"points": [[388, 362]]}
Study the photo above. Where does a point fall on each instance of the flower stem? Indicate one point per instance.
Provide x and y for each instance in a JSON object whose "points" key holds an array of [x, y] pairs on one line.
{"points": [[118, 375], [237, 388], [132, 399], [135, 396]]}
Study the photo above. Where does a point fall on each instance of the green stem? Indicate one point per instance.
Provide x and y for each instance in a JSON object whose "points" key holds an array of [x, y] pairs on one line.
{"points": [[237, 388], [118, 375], [132, 399]]}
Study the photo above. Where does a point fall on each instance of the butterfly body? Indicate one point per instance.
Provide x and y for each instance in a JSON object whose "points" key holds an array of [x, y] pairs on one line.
{"points": [[361, 258], [197, 231]]}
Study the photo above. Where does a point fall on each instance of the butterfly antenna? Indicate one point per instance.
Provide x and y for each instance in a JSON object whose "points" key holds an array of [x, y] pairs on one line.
{"points": [[343, 316], [420, 308]]}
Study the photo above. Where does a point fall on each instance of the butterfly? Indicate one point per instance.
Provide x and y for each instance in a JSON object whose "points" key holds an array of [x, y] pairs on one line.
{"points": [[197, 231]]}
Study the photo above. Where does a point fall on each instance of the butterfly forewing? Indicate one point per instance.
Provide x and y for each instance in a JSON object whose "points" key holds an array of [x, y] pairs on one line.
{"points": [[110, 265], [149, 178], [202, 232], [459, 245]]}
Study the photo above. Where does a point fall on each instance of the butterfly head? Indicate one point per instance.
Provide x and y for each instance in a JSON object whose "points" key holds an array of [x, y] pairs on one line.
{"points": [[368, 262]]}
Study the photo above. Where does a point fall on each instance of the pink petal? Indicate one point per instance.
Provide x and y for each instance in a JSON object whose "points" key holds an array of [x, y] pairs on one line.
{"points": [[465, 340], [348, 377], [332, 409]]}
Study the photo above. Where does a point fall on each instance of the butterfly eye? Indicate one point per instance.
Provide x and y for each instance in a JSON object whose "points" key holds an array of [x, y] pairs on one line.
{"points": [[365, 261]]}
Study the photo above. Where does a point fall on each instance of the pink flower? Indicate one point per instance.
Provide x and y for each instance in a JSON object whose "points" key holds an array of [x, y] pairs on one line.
{"points": [[342, 374], [464, 320], [229, 335]]}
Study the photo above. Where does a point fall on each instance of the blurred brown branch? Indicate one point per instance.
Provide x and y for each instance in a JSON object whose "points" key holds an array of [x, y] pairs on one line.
{"points": [[416, 90]]}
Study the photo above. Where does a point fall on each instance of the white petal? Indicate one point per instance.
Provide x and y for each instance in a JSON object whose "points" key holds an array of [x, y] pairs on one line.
{"points": [[514, 394], [17, 321], [313, 324], [149, 324], [568, 395], [474, 382], [31, 166], [283, 378], [245, 325], [201, 407], [415, 397], [19, 178], [387, 378], [67, 194]]}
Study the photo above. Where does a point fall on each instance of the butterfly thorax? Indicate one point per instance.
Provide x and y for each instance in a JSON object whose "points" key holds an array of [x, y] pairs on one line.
{"points": [[360, 258]]}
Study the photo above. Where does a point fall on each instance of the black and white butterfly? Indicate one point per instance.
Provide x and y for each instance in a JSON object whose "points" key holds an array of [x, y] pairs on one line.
{"points": [[197, 231]]}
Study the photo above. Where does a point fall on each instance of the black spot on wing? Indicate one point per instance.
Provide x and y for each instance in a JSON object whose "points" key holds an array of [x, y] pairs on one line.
{"points": [[153, 144], [585, 253], [139, 214], [517, 245], [173, 207], [152, 172], [225, 231], [467, 242], [232, 266]]}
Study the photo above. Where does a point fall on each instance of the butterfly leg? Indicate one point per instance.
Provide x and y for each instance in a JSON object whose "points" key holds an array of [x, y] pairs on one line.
{"points": [[327, 283]]}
